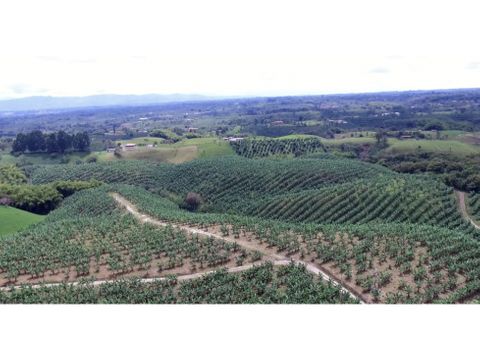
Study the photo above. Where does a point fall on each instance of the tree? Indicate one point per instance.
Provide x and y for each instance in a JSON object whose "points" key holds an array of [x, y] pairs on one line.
{"points": [[35, 141], [51, 143], [192, 201], [81, 141], [64, 141], [20, 143]]}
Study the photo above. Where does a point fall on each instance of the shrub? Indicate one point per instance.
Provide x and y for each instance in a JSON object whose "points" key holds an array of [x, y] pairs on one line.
{"points": [[192, 202]]}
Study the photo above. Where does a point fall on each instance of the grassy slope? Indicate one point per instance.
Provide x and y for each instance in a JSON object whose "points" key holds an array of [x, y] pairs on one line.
{"points": [[348, 140], [12, 220], [180, 152], [435, 146]]}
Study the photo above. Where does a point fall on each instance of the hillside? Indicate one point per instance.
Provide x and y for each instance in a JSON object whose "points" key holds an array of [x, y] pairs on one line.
{"points": [[386, 237]]}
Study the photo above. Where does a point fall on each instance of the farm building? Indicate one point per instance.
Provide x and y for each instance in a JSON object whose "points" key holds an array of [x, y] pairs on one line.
{"points": [[232, 139], [129, 146]]}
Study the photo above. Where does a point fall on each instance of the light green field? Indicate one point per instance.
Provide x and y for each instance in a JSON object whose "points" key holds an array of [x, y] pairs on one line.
{"points": [[297, 136], [349, 140], [434, 146], [179, 152], [12, 220]]}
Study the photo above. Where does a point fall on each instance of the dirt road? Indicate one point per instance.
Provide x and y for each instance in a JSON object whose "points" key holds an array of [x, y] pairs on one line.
{"points": [[271, 255], [463, 208]]}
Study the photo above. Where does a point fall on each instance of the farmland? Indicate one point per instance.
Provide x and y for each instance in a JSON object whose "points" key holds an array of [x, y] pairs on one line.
{"points": [[387, 237], [255, 201]]}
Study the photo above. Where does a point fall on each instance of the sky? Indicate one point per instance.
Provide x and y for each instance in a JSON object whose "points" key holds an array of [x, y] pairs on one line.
{"points": [[236, 48]]}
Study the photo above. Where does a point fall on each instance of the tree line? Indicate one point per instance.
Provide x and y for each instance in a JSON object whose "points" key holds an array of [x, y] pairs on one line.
{"points": [[55, 142]]}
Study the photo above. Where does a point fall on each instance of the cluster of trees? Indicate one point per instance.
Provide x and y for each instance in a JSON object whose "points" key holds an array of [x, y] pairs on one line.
{"points": [[57, 142], [460, 173], [41, 199]]}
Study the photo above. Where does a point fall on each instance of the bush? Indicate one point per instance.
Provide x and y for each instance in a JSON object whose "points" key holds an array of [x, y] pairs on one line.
{"points": [[10, 174], [192, 202], [92, 159]]}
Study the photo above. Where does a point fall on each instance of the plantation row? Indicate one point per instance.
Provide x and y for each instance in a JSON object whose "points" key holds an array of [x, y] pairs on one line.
{"points": [[262, 284], [125, 172], [268, 147], [385, 199], [473, 205]]}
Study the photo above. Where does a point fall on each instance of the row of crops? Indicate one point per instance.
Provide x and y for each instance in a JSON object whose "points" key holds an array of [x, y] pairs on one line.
{"points": [[385, 198], [263, 284], [473, 205], [252, 148]]}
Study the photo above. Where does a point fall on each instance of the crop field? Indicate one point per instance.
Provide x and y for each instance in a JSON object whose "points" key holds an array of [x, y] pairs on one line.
{"points": [[387, 237], [88, 235], [413, 259], [13, 220], [281, 147], [261, 284], [433, 146]]}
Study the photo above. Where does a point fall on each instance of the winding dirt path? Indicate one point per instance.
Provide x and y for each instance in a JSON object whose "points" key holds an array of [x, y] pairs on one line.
{"points": [[463, 208], [147, 280], [277, 259]]}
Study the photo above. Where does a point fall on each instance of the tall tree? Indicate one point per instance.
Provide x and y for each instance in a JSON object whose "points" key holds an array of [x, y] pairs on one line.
{"points": [[81, 141], [51, 143], [64, 141], [35, 141], [20, 143]]}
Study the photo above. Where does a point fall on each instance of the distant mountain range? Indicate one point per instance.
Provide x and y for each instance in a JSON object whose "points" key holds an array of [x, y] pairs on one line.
{"points": [[52, 103]]}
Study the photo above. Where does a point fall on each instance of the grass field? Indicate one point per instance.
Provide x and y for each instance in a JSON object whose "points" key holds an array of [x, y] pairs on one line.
{"points": [[348, 140], [297, 136], [177, 153], [12, 220], [434, 146]]}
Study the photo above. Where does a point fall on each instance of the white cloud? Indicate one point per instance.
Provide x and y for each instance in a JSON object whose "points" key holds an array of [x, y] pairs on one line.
{"points": [[235, 47]]}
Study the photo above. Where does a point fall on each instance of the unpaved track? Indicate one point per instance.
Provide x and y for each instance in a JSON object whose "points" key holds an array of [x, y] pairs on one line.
{"points": [[276, 258], [463, 208], [146, 280]]}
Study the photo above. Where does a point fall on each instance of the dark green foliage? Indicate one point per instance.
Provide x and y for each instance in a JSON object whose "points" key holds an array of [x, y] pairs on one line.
{"points": [[39, 199], [67, 188], [81, 141], [57, 142], [268, 147]]}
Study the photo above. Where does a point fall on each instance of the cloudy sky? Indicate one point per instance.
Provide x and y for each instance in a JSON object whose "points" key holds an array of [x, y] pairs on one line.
{"points": [[243, 47]]}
